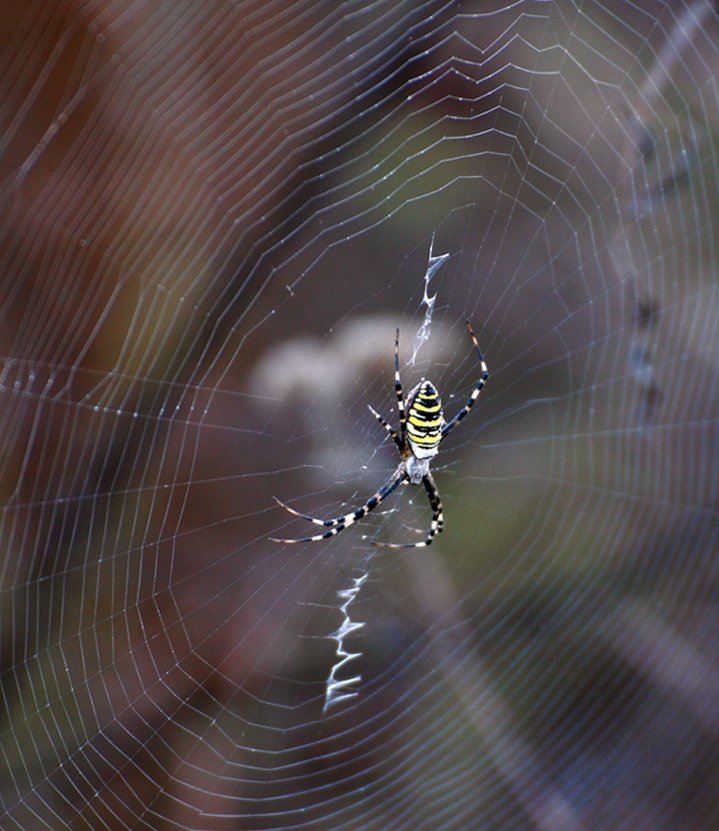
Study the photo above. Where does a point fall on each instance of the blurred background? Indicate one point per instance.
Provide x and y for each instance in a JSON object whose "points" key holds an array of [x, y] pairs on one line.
{"points": [[213, 217]]}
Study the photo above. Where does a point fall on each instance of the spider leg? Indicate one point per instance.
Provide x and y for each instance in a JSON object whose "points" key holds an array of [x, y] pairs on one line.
{"points": [[473, 397], [387, 427], [341, 522], [398, 390], [437, 518]]}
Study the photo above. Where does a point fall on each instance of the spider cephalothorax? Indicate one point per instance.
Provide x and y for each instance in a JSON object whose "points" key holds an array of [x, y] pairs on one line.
{"points": [[421, 429]]}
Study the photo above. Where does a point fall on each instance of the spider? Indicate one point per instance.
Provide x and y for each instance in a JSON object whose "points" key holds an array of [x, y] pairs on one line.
{"points": [[421, 429]]}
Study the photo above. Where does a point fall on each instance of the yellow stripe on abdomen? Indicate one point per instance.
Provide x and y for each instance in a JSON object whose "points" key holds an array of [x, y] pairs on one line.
{"points": [[425, 405], [424, 421]]}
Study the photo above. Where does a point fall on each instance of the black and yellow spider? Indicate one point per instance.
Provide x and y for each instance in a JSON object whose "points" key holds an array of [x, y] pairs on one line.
{"points": [[421, 429]]}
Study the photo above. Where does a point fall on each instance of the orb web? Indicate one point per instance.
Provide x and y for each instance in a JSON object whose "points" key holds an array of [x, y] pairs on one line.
{"points": [[214, 217]]}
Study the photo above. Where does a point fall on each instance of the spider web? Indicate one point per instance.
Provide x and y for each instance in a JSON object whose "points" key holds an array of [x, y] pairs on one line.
{"points": [[214, 217]]}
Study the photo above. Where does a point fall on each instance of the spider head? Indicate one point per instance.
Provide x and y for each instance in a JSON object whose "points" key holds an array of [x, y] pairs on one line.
{"points": [[425, 419]]}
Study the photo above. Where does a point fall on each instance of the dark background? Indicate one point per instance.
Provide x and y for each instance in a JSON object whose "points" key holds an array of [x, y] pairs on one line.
{"points": [[213, 217]]}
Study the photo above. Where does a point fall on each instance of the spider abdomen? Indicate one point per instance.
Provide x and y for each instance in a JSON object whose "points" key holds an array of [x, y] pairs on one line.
{"points": [[424, 420]]}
